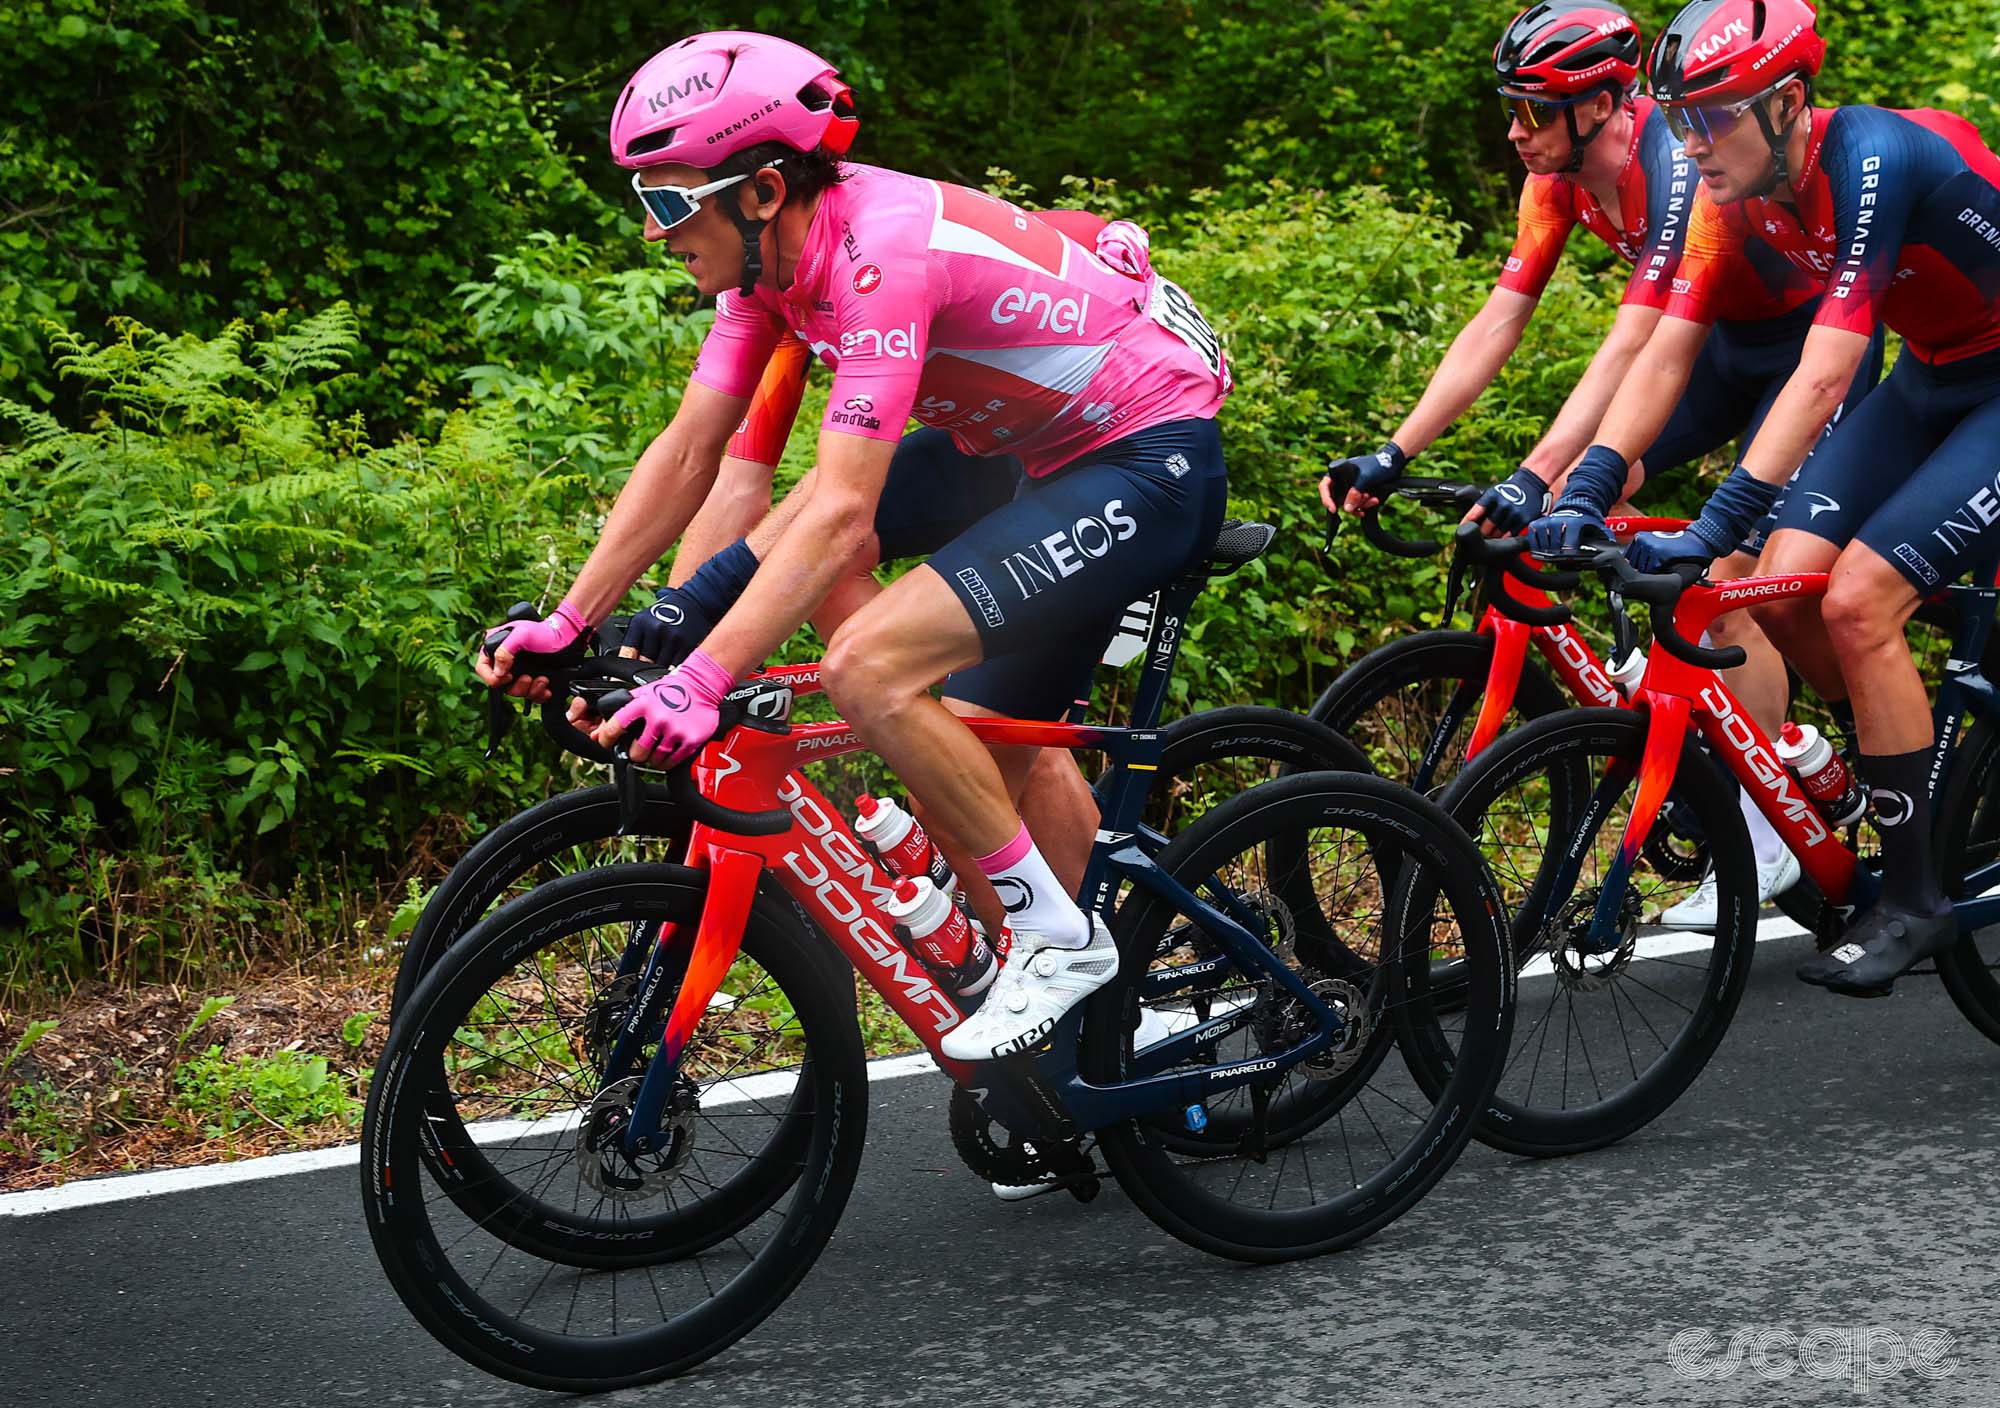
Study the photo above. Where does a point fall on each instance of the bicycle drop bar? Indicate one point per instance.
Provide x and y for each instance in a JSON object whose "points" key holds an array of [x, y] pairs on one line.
{"points": [[1661, 591], [681, 790], [1499, 557], [1432, 493]]}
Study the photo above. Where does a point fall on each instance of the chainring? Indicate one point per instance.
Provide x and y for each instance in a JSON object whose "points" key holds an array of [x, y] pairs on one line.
{"points": [[992, 1151]]}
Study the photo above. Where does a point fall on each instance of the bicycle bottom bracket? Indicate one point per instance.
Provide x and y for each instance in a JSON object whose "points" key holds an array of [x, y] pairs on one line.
{"points": [[600, 1142], [1583, 969]]}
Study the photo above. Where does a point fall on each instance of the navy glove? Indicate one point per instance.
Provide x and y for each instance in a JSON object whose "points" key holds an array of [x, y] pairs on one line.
{"points": [[1373, 473], [1593, 487], [680, 618], [1732, 511], [1516, 501]]}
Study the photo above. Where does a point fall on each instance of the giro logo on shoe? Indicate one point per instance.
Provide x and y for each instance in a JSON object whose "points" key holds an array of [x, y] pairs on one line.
{"points": [[674, 92], [1797, 808], [1892, 808], [1017, 895], [898, 343], [1821, 503], [867, 279], [1063, 554], [1028, 1040], [821, 866], [1051, 314], [1717, 42]]}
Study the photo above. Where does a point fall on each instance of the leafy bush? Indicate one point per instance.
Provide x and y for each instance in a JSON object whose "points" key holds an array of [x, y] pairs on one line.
{"points": [[233, 636]]}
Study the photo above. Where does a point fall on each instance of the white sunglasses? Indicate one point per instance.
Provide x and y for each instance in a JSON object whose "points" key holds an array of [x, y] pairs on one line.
{"points": [[674, 205]]}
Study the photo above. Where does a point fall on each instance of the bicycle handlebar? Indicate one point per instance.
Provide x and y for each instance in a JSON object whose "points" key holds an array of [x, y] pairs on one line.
{"points": [[1503, 555], [681, 790], [1661, 591], [1432, 493]]}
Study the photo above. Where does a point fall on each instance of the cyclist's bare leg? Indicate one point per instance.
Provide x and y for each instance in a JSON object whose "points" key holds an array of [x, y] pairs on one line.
{"points": [[1798, 623], [1759, 682], [1867, 605]]}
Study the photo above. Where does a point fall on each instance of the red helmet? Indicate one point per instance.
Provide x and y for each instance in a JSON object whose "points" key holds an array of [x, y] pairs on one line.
{"points": [[1722, 51], [1567, 48]]}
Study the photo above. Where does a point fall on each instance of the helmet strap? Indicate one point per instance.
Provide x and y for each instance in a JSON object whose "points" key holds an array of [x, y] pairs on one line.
{"points": [[1579, 145], [1781, 166], [752, 230]]}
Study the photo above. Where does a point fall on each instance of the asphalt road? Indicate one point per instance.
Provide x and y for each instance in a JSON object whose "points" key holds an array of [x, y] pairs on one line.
{"points": [[1833, 1176]]}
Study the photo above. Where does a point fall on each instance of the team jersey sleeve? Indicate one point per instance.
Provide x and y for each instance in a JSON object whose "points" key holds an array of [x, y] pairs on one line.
{"points": [[1876, 172], [1708, 250], [1670, 184], [738, 345], [883, 312], [762, 435], [1541, 230]]}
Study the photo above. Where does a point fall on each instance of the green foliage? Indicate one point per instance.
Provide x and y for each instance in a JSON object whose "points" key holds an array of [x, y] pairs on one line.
{"points": [[287, 1088], [34, 1032], [233, 634]]}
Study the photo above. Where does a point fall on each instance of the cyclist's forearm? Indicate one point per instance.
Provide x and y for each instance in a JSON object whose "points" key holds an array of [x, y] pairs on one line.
{"points": [[659, 497], [1474, 359], [1576, 424], [734, 507], [1813, 393], [1651, 388], [819, 539]]}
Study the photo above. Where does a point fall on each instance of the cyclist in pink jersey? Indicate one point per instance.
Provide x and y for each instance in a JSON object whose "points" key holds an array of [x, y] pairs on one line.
{"points": [[1007, 341]]}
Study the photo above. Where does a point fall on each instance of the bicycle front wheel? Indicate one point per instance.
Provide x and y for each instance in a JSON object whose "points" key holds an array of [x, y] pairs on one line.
{"points": [[1351, 881], [503, 1223], [1605, 1040]]}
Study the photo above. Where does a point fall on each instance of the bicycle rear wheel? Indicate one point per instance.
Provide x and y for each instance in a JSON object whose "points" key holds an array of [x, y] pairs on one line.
{"points": [[1334, 1149], [1967, 839], [1603, 1042], [1411, 704], [508, 1233]]}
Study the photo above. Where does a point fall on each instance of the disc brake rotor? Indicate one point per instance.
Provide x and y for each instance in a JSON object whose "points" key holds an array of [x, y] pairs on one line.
{"points": [[1576, 969]]}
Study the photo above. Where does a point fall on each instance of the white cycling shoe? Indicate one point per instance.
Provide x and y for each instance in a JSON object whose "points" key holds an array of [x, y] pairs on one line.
{"points": [[1035, 987], [1697, 911]]}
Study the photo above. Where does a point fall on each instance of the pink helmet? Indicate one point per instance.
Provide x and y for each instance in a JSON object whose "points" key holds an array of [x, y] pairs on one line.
{"points": [[708, 97]]}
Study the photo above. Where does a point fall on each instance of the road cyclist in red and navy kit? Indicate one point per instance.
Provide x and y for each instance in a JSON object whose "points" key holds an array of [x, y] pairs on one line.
{"points": [[1897, 215], [1005, 339], [1600, 156]]}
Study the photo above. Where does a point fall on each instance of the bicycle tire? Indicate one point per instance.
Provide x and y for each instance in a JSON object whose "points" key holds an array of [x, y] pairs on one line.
{"points": [[1579, 741], [1365, 690], [1391, 818], [1967, 835], [830, 1091]]}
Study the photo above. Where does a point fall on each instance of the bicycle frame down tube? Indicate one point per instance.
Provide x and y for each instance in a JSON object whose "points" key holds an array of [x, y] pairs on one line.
{"points": [[1568, 654]]}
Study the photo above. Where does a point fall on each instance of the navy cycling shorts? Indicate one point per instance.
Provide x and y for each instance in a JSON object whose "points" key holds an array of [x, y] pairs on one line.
{"points": [[1914, 473], [1735, 381], [1045, 567]]}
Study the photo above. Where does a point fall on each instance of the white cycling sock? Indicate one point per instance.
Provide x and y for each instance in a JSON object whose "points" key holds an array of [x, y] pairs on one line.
{"points": [[1765, 842], [1035, 900]]}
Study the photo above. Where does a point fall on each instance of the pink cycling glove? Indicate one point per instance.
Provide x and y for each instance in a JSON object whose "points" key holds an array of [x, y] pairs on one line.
{"points": [[562, 629], [678, 713], [1127, 248]]}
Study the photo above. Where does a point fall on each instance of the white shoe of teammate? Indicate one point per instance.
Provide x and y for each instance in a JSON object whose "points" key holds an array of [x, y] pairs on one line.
{"points": [[1697, 911], [1037, 985]]}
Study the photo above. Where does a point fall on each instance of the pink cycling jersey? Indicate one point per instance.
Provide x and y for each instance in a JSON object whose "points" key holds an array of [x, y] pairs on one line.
{"points": [[935, 301]]}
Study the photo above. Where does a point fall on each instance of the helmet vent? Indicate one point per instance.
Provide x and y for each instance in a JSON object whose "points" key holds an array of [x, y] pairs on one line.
{"points": [[651, 142]]}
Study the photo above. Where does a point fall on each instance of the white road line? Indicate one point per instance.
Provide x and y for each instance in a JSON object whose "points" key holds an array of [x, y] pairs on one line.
{"points": [[1666, 945], [89, 1192]]}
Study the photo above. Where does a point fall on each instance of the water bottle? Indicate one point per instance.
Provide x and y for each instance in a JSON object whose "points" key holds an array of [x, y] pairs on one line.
{"points": [[939, 933], [1821, 772], [1627, 673], [900, 843]]}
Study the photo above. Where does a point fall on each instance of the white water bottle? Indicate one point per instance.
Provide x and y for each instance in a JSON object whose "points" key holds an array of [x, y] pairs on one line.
{"points": [[900, 843], [1627, 673], [1819, 769], [939, 933]]}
